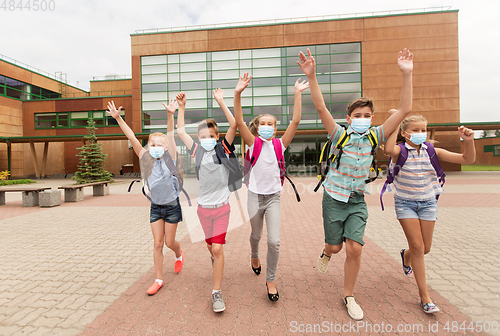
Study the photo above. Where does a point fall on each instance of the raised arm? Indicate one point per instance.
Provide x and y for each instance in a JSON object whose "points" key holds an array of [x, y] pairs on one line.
{"points": [[181, 127], [297, 112], [308, 66], [469, 154], [219, 98], [115, 113], [405, 64], [390, 147], [171, 107], [245, 133]]}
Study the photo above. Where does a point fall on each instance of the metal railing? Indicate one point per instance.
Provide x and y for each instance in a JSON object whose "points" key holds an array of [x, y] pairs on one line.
{"points": [[58, 78], [110, 77], [294, 20]]}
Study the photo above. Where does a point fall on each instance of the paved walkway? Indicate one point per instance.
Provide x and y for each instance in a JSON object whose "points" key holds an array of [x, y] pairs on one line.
{"points": [[85, 267]]}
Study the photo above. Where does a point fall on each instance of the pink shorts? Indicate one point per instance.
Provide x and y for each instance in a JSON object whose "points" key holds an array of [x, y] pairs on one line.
{"points": [[214, 223]]}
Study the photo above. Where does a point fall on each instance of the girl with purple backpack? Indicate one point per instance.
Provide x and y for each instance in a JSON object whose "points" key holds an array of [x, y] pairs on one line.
{"points": [[265, 177], [413, 176]]}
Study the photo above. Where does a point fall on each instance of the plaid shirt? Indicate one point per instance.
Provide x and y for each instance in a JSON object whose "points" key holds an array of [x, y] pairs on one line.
{"points": [[354, 165]]}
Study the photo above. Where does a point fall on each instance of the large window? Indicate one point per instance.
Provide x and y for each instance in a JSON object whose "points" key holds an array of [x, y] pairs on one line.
{"points": [[274, 72], [13, 88], [74, 119]]}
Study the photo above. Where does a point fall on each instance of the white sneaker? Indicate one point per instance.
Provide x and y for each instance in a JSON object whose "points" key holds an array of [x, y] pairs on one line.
{"points": [[218, 303], [323, 261], [353, 308]]}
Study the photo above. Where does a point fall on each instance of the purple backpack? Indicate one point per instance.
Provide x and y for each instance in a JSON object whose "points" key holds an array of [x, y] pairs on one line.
{"points": [[391, 174]]}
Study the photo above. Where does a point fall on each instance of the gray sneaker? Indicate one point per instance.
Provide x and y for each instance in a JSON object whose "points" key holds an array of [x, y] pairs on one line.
{"points": [[218, 303]]}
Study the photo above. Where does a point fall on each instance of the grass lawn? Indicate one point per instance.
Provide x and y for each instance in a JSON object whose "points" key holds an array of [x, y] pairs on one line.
{"points": [[11, 182], [480, 168]]}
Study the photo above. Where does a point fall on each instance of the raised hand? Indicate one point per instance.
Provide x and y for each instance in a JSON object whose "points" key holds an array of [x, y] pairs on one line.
{"points": [[242, 83], [392, 111], [181, 99], [172, 105], [112, 110], [300, 86], [307, 64], [405, 60], [466, 133], [219, 95]]}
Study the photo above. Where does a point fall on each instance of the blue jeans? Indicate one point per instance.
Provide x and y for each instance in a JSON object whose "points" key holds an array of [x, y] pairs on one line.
{"points": [[170, 213], [425, 210]]}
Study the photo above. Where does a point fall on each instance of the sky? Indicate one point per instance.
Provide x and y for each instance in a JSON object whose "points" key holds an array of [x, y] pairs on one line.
{"points": [[92, 38]]}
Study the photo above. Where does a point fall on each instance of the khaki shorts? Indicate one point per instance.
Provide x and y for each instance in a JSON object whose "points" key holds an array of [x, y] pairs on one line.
{"points": [[344, 220]]}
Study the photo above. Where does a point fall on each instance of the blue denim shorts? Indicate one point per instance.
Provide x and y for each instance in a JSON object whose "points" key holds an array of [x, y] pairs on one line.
{"points": [[170, 213], [425, 210]]}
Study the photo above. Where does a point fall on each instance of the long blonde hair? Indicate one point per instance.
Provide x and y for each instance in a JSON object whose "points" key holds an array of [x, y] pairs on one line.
{"points": [[254, 124], [178, 163], [404, 126]]}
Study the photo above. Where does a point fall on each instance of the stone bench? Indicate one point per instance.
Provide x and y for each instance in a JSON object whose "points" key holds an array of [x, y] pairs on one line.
{"points": [[74, 192], [30, 194], [50, 198]]}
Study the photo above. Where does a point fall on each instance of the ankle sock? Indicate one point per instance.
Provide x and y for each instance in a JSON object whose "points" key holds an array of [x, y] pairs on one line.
{"points": [[215, 291], [180, 258], [160, 281]]}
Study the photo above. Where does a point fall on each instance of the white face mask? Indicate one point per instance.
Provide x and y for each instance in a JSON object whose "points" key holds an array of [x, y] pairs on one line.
{"points": [[266, 131], [156, 152], [208, 144], [361, 125]]}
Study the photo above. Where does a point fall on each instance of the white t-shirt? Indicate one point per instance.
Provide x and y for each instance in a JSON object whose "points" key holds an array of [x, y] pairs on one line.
{"points": [[213, 180], [265, 174]]}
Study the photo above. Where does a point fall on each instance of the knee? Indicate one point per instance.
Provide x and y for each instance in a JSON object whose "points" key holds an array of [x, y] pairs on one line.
{"points": [[273, 244], [217, 250], [418, 249], [158, 245], [170, 243], [333, 249], [354, 250]]}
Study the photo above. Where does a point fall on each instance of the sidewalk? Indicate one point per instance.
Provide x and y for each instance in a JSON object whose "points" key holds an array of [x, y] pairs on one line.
{"points": [[85, 268]]}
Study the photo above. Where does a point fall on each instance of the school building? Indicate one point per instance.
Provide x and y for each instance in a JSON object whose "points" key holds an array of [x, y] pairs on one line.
{"points": [[42, 119]]}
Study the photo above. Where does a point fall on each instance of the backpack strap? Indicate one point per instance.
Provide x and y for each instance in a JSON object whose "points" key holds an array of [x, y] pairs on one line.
{"points": [[391, 174], [431, 151], [250, 160], [231, 163], [374, 142], [281, 163], [173, 172], [334, 153]]}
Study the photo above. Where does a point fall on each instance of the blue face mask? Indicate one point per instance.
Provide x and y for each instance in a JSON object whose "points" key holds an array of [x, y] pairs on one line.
{"points": [[266, 131], [361, 125], [418, 138], [156, 152], [208, 144]]}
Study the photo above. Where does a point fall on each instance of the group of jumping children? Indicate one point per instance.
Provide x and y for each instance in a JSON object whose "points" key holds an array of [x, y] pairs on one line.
{"points": [[416, 186]]}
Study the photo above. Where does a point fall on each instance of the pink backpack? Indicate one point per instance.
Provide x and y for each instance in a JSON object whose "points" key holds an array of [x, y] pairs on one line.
{"points": [[257, 148]]}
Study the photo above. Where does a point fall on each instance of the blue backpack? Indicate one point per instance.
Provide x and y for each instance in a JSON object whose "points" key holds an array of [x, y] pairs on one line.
{"points": [[403, 156]]}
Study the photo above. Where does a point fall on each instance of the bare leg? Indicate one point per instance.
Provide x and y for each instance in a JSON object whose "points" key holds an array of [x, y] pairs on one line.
{"points": [[415, 232], [158, 229], [170, 230], [352, 265], [218, 253]]}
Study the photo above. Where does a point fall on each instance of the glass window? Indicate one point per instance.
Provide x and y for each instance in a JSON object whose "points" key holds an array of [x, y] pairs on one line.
{"points": [[226, 74], [174, 87], [173, 77], [345, 97], [224, 55], [267, 81], [196, 94], [339, 108], [173, 59], [245, 54], [323, 49], [154, 78], [245, 64], [62, 120], [346, 87], [346, 58], [267, 62], [267, 91], [173, 67], [345, 48], [193, 67], [225, 84], [272, 100], [45, 120], [322, 59], [154, 87], [197, 103], [225, 65], [154, 69], [193, 76], [197, 57], [154, 96], [152, 106], [270, 72], [147, 60], [355, 77], [265, 53], [352, 67], [193, 85]]}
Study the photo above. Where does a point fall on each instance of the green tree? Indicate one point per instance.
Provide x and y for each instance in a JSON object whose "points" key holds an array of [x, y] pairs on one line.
{"points": [[91, 167]]}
